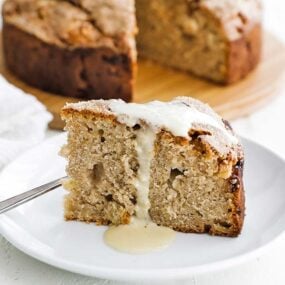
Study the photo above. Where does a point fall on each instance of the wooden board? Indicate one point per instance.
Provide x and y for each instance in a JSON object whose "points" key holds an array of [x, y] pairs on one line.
{"points": [[158, 82]]}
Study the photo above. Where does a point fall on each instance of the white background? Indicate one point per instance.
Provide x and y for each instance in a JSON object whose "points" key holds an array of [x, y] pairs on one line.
{"points": [[266, 127]]}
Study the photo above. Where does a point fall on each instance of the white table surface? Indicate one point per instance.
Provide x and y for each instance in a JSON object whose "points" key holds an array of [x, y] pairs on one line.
{"points": [[265, 126]]}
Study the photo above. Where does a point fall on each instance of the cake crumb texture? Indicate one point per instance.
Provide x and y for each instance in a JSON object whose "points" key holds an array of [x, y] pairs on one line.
{"points": [[102, 165]]}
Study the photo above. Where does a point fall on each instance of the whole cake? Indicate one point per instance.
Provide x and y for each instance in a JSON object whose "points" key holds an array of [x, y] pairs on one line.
{"points": [[86, 48], [177, 164]]}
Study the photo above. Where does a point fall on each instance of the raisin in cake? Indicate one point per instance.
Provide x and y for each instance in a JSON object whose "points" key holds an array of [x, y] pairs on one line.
{"points": [[86, 48], [175, 163], [79, 48]]}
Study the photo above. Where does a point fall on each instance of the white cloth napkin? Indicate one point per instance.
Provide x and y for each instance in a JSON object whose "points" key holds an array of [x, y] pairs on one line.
{"points": [[23, 121]]}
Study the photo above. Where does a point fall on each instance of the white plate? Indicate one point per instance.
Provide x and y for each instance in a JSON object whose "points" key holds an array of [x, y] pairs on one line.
{"points": [[38, 228]]}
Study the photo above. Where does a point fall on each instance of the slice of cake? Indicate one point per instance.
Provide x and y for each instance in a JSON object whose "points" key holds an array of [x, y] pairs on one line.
{"points": [[216, 39], [177, 164], [79, 48]]}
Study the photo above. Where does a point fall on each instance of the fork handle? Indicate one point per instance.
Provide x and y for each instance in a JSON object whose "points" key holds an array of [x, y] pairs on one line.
{"points": [[20, 199]]}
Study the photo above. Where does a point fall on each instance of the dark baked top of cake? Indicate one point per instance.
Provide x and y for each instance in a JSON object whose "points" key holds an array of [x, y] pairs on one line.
{"points": [[75, 23]]}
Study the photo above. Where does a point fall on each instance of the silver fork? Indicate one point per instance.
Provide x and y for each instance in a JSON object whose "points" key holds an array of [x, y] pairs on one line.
{"points": [[20, 199]]}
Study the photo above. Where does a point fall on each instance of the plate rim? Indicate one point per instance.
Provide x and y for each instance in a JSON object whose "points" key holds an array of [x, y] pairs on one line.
{"points": [[136, 274]]}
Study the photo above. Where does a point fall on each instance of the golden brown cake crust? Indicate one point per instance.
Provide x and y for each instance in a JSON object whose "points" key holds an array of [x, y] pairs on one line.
{"points": [[244, 54], [237, 187]]}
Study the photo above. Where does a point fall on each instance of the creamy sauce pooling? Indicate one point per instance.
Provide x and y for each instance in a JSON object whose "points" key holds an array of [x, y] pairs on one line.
{"points": [[139, 237]]}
